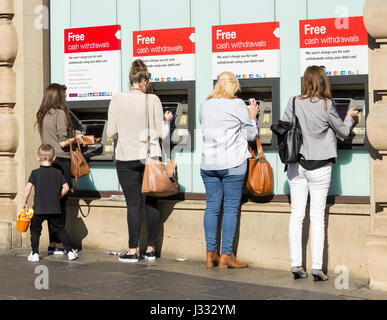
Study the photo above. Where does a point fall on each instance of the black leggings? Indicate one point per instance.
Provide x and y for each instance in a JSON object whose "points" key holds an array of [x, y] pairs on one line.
{"points": [[63, 164], [55, 224], [130, 175]]}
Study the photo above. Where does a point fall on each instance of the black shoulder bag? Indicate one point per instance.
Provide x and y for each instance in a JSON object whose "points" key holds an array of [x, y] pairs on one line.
{"points": [[289, 138]]}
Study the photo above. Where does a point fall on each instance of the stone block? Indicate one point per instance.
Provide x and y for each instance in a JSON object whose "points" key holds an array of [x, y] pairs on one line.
{"points": [[5, 235], [8, 209], [7, 86], [8, 177], [7, 7], [377, 261]]}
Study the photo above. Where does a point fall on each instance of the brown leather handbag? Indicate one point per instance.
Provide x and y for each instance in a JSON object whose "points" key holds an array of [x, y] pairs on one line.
{"points": [[160, 179], [90, 140], [260, 174], [79, 166]]}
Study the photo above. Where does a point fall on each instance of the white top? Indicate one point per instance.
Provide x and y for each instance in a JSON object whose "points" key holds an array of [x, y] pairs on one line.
{"points": [[227, 128], [126, 122]]}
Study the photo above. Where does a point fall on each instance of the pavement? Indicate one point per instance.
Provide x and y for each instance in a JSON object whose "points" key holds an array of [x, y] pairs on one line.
{"points": [[99, 276]]}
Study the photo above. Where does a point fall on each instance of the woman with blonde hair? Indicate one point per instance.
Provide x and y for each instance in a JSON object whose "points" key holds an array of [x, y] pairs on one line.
{"points": [[320, 123], [128, 123], [227, 126]]}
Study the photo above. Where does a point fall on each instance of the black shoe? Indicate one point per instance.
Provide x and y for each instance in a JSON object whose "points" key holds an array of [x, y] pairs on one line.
{"points": [[50, 251], [150, 256], [128, 258], [299, 273], [318, 275]]}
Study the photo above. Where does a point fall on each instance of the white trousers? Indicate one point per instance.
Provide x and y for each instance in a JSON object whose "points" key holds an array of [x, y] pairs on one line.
{"points": [[301, 182]]}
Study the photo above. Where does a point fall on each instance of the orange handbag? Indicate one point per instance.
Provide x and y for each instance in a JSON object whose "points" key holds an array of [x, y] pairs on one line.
{"points": [[79, 166], [260, 174], [160, 179]]}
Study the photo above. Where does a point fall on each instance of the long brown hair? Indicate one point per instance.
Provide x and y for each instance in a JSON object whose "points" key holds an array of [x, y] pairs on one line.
{"points": [[54, 98], [315, 84], [138, 73]]}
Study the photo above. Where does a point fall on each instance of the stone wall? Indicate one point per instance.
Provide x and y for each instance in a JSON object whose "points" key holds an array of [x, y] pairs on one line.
{"points": [[22, 81]]}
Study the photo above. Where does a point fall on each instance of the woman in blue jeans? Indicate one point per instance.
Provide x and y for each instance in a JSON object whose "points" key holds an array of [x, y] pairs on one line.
{"points": [[227, 125]]}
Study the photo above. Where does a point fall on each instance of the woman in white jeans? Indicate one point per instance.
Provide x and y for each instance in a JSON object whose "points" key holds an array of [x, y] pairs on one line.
{"points": [[320, 123]]}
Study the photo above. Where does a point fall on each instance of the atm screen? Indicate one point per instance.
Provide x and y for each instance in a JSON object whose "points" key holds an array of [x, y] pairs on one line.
{"points": [[172, 107], [342, 111], [342, 108], [94, 129]]}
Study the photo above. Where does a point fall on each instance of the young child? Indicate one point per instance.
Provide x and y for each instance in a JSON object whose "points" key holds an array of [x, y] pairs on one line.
{"points": [[50, 186]]}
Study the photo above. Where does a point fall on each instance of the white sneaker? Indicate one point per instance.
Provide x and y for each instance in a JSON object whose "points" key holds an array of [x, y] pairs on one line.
{"points": [[33, 257], [60, 252], [72, 255]]}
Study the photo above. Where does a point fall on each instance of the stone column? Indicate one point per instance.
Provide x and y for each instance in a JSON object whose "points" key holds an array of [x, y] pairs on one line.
{"points": [[375, 17], [9, 135]]}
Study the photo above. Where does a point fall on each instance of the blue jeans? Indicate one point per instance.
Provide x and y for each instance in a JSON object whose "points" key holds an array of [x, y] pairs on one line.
{"points": [[222, 186]]}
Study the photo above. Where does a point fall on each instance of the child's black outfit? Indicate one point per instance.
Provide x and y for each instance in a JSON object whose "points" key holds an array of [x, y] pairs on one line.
{"points": [[48, 183]]}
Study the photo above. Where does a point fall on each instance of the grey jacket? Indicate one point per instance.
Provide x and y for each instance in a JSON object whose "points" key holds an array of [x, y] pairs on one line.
{"points": [[226, 128], [319, 126], [54, 130]]}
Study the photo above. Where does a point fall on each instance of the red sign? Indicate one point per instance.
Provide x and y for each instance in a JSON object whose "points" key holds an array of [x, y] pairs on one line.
{"points": [[163, 42], [245, 37], [333, 32], [92, 39]]}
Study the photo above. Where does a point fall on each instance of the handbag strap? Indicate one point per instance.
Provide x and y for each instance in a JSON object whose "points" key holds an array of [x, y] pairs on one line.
{"points": [[294, 113], [261, 154], [147, 126], [72, 155]]}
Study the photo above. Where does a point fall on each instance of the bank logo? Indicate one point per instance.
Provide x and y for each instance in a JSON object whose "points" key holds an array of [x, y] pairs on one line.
{"points": [[169, 79], [335, 73], [350, 73], [73, 95], [343, 73], [157, 79], [251, 76], [329, 73], [163, 79], [238, 76]]}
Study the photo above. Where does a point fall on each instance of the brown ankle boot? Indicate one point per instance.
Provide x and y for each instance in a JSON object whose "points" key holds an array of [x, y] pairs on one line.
{"points": [[212, 259], [229, 261]]}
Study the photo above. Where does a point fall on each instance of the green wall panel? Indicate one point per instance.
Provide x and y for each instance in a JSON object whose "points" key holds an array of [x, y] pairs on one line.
{"points": [[350, 174]]}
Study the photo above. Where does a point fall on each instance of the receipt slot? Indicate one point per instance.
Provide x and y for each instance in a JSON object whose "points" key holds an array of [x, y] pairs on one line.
{"points": [[351, 92], [93, 121], [178, 98], [266, 92]]}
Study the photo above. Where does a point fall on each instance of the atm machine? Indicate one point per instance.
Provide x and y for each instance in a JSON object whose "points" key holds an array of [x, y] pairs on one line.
{"points": [[91, 119], [266, 92], [179, 98], [351, 92]]}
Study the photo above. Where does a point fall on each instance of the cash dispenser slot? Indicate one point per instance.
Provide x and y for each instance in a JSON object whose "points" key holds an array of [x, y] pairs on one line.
{"points": [[265, 117], [94, 122], [345, 97], [178, 98]]}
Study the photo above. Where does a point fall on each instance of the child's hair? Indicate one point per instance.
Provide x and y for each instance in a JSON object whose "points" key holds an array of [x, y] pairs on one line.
{"points": [[46, 152]]}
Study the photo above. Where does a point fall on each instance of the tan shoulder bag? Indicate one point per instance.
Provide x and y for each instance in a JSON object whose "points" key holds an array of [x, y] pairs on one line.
{"points": [[160, 179], [260, 174], [79, 166]]}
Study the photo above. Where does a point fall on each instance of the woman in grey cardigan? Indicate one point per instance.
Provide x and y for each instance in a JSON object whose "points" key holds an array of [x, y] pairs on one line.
{"points": [[320, 123], [227, 124]]}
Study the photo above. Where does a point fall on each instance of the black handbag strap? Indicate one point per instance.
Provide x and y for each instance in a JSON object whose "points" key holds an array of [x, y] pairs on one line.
{"points": [[294, 113]]}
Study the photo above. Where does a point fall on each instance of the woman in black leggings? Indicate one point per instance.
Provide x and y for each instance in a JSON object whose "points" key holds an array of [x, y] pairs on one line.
{"points": [[127, 122]]}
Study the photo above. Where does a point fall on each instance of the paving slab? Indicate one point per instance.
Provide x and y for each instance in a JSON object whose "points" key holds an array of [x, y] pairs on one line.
{"points": [[99, 276]]}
